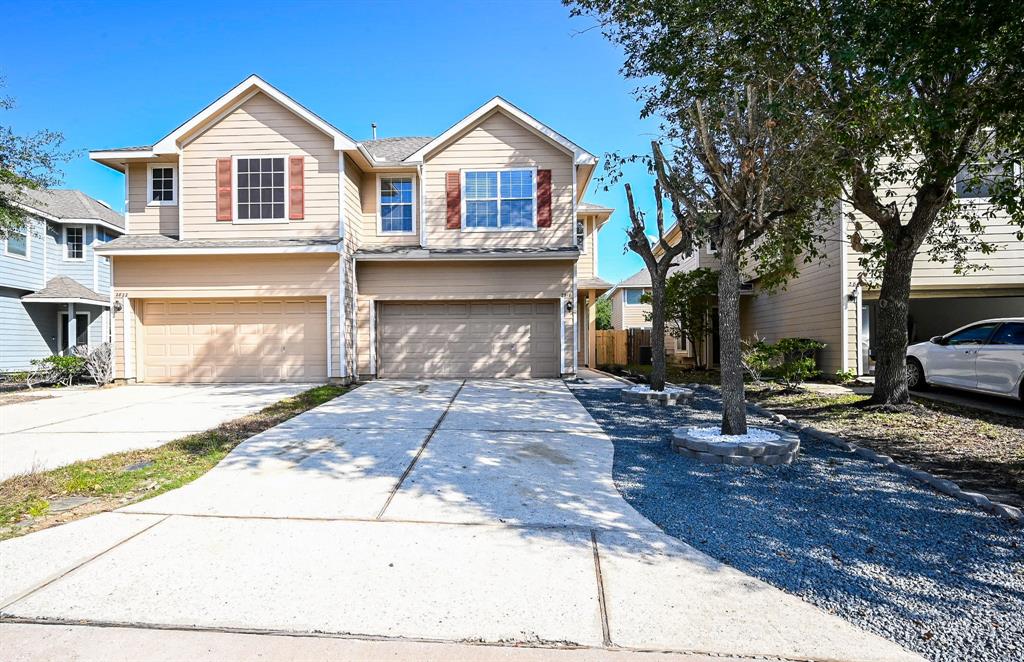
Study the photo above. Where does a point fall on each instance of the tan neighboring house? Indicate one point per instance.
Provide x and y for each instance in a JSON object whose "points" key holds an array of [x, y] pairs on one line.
{"points": [[826, 302], [264, 244]]}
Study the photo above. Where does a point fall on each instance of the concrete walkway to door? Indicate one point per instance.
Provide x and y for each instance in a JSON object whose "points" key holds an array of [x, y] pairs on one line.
{"points": [[478, 511]]}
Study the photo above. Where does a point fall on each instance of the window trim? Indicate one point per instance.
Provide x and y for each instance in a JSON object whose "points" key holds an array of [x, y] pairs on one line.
{"points": [[992, 331], [28, 245], [150, 202], [625, 300], [712, 248], [464, 199], [381, 232], [234, 190], [64, 233]]}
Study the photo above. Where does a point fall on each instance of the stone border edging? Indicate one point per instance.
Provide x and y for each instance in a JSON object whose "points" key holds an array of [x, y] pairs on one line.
{"points": [[782, 450], [681, 397], [943, 485]]}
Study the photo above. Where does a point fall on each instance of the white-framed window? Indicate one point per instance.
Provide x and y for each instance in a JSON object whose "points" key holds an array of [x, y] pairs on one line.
{"points": [[712, 247], [396, 199], [163, 184], [74, 242], [261, 189], [976, 181], [499, 199], [17, 243], [632, 296], [581, 236]]}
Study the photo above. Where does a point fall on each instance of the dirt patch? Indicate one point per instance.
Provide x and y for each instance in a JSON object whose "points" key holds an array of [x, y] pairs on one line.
{"points": [[980, 451], [18, 398]]}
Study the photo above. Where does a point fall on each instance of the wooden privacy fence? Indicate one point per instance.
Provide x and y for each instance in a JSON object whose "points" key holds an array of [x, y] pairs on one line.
{"points": [[628, 347]]}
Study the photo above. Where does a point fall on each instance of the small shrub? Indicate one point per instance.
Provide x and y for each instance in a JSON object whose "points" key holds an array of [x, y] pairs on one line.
{"points": [[62, 369], [797, 362], [98, 363], [758, 357], [846, 376]]}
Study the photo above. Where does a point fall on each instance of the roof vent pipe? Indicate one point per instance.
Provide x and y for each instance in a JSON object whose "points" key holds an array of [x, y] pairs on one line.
{"points": [[373, 128]]}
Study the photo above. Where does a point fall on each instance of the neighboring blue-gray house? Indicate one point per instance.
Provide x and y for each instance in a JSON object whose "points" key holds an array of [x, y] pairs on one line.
{"points": [[53, 285]]}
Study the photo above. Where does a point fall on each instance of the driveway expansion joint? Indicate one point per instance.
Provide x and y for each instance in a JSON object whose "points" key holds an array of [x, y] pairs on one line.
{"points": [[602, 604], [419, 453], [18, 597]]}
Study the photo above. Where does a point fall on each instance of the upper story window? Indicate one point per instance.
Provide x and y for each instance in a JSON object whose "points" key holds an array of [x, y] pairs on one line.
{"points": [[163, 187], [260, 188], [500, 199], [74, 242], [17, 243], [581, 236], [633, 296], [978, 179], [396, 203]]}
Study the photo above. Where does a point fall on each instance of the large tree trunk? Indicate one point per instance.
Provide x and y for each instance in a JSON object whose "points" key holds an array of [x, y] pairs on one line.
{"points": [[657, 333], [891, 328], [734, 406]]}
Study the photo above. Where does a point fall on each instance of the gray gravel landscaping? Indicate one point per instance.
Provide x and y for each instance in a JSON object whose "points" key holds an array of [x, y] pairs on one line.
{"points": [[937, 575]]}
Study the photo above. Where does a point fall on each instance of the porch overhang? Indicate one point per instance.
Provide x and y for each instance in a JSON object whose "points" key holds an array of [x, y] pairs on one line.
{"points": [[66, 290]]}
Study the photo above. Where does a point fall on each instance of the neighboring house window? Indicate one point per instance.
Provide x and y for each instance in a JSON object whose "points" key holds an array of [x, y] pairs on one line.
{"points": [[500, 199], [17, 243], [712, 246], [396, 201], [978, 180], [162, 187], [633, 296], [260, 188], [74, 242], [581, 236]]}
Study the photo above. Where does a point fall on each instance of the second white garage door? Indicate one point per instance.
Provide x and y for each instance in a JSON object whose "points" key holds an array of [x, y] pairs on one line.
{"points": [[234, 340], [469, 339]]}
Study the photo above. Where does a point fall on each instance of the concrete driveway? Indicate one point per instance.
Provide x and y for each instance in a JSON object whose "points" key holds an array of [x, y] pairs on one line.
{"points": [[82, 424], [441, 511]]}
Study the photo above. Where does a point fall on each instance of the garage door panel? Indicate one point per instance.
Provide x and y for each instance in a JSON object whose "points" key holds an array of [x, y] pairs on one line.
{"points": [[469, 339], [235, 340]]}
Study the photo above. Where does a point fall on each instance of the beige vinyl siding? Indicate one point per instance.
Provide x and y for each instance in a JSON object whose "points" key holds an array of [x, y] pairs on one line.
{"points": [[616, 298], [232, 276], [585, 265], [354, 237], [370, 220], [260, 126], [461, 281], [810, 307], [1005, 265], [143, 217], [499, 141], [631, 316]]}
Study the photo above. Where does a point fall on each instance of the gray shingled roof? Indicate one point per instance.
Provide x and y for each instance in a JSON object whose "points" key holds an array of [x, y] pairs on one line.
{"points": [[71, 204], [639, 279], [159, 241], [394, 150], [65, 288], [590, 206], [135, 148]]}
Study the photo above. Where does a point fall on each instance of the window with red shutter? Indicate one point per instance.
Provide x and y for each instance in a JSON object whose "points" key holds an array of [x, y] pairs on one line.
{"points": [[453, 189], [223, 189], [296, 187], [543, 198]]}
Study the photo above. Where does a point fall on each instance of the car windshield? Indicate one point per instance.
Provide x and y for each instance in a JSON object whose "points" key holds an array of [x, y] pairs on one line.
{"points": [[974, 335]]}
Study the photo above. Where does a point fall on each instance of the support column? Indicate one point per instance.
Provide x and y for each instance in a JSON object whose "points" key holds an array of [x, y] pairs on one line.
{"points": [[592, 328], [71, 332]]}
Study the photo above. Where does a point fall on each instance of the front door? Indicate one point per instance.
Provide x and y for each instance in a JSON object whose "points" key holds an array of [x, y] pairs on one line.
{"points": [[81, 331], [953, 362], [1001, 361]]}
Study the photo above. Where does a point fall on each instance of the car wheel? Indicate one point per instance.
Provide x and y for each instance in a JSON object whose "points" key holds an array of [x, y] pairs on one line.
{"points": [[915, 375]]}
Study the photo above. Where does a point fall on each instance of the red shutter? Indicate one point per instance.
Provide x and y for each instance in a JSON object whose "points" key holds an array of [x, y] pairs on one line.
{"points": [[543, 198], [296, 187], [453, 186], [223, 189]]}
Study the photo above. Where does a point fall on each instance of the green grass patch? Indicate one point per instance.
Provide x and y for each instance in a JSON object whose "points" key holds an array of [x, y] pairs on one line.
{"points": [[166, 467]]}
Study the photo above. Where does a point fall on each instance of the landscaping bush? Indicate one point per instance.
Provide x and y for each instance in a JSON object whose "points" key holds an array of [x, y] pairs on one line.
{"points": [[790, 360], [758, 357], [61, 369], [99, 363]]}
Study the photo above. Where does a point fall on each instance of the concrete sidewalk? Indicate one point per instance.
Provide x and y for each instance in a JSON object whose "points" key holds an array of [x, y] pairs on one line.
{"points": [[481, 511], [82, 424]]}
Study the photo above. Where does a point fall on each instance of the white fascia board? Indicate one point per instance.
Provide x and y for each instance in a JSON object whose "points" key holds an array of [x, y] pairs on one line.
{"points": [[168, 144], [69, 221], [118, 155], [86, 302], [254, 250], [580, 155]]}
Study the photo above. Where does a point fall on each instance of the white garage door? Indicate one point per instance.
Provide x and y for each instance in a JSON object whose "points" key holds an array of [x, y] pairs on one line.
{"points": [[235, 340], [469, 339]]}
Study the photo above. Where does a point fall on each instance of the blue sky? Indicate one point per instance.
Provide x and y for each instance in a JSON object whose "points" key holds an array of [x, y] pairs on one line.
{"points": [[114, 74]]}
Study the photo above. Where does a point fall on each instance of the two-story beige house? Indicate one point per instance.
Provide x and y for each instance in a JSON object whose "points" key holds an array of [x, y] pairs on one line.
{"points": [[264, 244]]}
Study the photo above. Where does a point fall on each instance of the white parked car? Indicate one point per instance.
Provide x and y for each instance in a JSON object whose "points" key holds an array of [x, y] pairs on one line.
{"points": [[987, 357]]}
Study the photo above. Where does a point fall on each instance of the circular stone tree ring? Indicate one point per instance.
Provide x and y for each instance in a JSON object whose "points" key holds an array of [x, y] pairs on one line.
{"points": [[672, 395], [758, 446]]}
